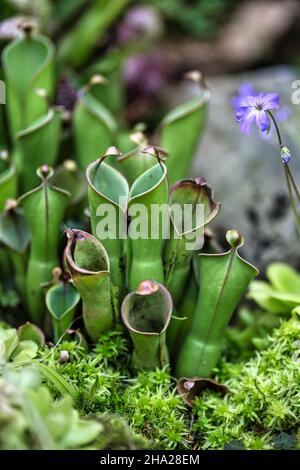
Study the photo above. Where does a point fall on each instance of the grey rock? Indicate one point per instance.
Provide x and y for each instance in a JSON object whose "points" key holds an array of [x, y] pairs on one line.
{"points": [[246, 171]]}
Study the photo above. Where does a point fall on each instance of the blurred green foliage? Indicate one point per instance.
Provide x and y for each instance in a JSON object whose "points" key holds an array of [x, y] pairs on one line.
{"points": [[199, 18]]}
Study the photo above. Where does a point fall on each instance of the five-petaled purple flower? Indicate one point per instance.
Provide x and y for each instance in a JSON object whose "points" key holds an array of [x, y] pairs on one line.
{"points": [[254, 109]]}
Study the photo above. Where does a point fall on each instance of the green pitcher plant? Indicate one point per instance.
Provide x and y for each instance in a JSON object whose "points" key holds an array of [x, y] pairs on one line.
{"points": [[14, 236], [186, 238], [67, 176], [131, 264], [139, 159], [110, 195], [182, 128], [146, 313], [44, 209], [223, 280], [91, 118], [62, 299], [178, 253], [108, 188], [149, 190], [37, 145], [88, 265], [8, 179], [28, 64]]}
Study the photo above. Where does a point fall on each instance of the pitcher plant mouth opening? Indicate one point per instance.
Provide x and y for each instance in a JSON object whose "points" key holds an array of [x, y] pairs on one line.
{"points": [[94, 259], [147, 310]]}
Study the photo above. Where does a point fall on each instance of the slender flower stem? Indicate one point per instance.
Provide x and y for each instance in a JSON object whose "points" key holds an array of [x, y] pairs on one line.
{"points": [[290, 181], [276, 128], [291, 195], [293, 182]]}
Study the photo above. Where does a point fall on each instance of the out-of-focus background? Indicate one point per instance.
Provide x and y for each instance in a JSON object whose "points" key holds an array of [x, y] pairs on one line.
{"points": [[148, 46]]}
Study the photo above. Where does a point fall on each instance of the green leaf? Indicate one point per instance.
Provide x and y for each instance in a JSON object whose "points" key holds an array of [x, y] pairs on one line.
{"points": [[36, 405], [15, 351], [60, 419], [31, 332], [283, 292], [24, 353], [272, 300], [283, 278], [8, 343], [76, 45], [59, 382], [81, 433]]}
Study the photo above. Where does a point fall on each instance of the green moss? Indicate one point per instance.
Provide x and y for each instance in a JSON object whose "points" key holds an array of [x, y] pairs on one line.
{"points": [[106, 385], [264, 396], [152, 406], [262, 406]]}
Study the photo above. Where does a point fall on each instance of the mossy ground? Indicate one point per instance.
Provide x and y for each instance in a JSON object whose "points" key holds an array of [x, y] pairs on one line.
{"points": [[261, 411]]}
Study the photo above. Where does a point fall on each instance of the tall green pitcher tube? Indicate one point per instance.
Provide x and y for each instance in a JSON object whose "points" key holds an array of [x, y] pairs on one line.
{"points": [[148, 193], [147, 313], [94, 126], [182, 128], [188, 196], [224, 279], [108, 194], [8, 179], [88, 264], [44, 209], [37, 145], [28, 64]]}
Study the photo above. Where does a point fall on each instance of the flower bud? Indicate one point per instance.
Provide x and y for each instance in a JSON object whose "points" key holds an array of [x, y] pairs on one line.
{"points": [[285, 154]]}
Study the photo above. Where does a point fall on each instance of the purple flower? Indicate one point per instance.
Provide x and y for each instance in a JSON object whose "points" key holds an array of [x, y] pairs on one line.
{"points": [[254, 109], [245, 90]]}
